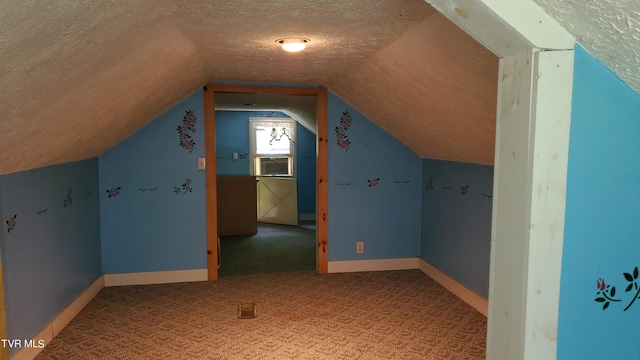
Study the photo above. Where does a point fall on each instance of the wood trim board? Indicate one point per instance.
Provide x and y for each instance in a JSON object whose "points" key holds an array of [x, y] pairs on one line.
{"points": [[322, 256]]}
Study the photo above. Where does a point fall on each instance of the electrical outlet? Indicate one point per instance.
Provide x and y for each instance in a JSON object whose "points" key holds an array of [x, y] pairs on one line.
{"points": [[360, 247]]}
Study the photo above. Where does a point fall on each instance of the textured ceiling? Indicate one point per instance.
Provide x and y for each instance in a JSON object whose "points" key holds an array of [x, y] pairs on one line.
{"points": [[77, 77], [434, 88], [608, 29]]}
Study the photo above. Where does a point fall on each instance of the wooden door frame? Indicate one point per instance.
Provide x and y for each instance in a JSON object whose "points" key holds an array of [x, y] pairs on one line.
{"points": [[322, 194]]}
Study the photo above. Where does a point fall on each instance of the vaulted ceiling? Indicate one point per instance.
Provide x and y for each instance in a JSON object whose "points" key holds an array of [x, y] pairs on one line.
{"points": [[78, 77]]}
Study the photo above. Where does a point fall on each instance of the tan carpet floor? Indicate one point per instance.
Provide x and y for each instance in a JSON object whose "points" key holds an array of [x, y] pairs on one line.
{"points": [[301, 315]]}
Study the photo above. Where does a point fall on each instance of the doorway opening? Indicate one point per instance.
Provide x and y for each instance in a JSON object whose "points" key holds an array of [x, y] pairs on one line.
{"points": [[318, 123], [266, 186]]}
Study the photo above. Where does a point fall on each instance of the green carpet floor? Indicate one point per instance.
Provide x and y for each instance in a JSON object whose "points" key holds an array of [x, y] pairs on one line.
{"points": [[275, 248]]}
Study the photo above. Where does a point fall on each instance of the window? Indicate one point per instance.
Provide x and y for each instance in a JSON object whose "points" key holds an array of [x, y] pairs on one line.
{"points": [[272, 146]]}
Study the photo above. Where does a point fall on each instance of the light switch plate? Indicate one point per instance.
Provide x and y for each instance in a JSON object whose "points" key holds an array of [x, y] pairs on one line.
{"points": [[202, 163]]}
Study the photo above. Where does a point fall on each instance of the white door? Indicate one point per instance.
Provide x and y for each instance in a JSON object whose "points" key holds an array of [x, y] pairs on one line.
{"points": [[277, 200]]}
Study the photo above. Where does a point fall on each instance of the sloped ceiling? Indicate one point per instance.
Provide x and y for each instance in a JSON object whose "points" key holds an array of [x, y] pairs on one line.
{"points": [[608, 29], [78, 77], [434, 88]]}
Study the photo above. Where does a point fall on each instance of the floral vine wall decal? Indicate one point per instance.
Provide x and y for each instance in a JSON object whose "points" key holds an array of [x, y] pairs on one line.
{"points": [[446, 188], [344, 184], [430, 184], [607, 292], [185, 188], [341, 131], [40, 212], [188, 126], [401, 181], [486, 195], [114, 192], [148, 189], [68, 200], [373, 182], [11, 223], [464, 189]]}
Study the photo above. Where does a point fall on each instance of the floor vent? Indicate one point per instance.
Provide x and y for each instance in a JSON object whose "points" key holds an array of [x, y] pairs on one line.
{"points": [[247, 311]]}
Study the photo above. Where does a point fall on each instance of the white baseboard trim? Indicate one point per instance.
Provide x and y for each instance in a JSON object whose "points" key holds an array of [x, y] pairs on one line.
{"points": [[373, 265], [59, 322], [306, 216], [471, 298], [155, 277]]}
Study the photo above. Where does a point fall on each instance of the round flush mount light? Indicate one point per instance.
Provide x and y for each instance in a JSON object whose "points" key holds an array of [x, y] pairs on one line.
{"points": [[293, 44]]}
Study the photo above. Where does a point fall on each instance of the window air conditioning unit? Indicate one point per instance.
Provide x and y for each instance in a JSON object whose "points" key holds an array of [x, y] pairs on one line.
{"points": [[274, 166]]}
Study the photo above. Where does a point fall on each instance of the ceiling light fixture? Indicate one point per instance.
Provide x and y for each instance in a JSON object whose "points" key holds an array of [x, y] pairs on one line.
{"points": [[293, 44]]}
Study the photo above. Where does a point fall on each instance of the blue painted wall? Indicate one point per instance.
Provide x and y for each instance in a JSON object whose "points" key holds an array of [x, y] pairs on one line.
{"points": [[52, 253], [456, 221], [156, 221], [232, 135], [374, 189], [306, 155], [602, 227]]}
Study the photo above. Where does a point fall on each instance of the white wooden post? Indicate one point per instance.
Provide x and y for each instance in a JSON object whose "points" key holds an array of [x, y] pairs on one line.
{"points": [[532, 137]]}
